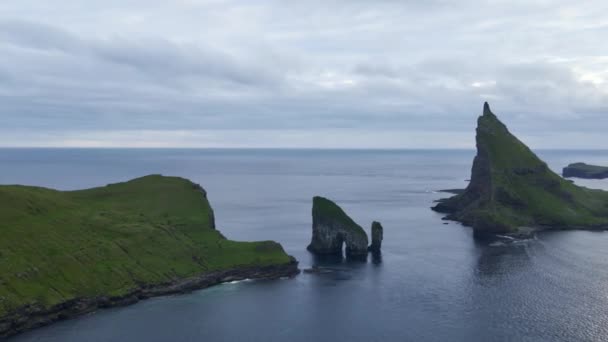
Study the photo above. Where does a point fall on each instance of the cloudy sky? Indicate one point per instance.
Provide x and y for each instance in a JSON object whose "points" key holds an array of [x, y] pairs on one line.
{"points": [[331, 73]]}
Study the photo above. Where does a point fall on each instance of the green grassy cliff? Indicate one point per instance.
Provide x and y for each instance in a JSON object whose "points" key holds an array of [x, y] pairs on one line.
{"points": [[511, 189], [332, 227], [57, 246], [326, 208]]}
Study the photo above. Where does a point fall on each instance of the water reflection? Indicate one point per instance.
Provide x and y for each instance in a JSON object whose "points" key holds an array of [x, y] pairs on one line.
{"points": [[376, 257], [339, 267], [329, 260], [501, 256]]}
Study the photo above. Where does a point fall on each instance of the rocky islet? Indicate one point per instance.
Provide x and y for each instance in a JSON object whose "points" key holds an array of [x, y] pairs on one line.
{"points": [[332, 228]]}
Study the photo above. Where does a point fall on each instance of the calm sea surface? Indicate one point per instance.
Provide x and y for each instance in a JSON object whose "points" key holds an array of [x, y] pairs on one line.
{"points": [[433, 282]]}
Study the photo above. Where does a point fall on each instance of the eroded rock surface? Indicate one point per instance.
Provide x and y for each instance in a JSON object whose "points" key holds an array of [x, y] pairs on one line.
{"points": [[377, 236], [332, 227]]}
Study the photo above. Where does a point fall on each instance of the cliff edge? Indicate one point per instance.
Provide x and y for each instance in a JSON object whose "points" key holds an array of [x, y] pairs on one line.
{"points": [[512, 190]]}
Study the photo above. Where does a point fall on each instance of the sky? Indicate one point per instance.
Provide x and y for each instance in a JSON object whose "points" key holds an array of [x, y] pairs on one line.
{"points": [[301, 74]]}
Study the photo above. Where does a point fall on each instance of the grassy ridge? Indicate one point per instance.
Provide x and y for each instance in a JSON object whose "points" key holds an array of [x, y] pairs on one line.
{"points": [[326, 208], [511, 188], [56, 246], [526, 191]]}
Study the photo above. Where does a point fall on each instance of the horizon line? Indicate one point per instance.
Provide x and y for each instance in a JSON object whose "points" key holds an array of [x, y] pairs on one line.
{"points": [[274, 148]]}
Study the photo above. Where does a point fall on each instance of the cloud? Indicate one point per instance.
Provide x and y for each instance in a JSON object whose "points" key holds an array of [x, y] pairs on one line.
{"points": [[242, 138], [72, 70]]}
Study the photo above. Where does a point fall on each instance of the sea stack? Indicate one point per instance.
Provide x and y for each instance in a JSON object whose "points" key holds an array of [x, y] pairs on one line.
{"points": [[332, 227], [377, 234], [582, 170], [512, 190]]}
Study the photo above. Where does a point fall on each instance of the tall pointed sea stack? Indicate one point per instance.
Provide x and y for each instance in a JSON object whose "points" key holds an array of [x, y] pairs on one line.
{"points": [[511, 189], [331, 228]]}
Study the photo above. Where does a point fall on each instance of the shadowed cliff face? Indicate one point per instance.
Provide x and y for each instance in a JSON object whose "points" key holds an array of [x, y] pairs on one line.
{"points": [[512, 188], [377, 236], [331, 228]]}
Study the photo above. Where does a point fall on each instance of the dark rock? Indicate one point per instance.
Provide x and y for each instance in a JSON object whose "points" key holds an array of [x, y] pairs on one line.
{"points": [[331, 228], [321, 270], [582, 170], [377, 235]]}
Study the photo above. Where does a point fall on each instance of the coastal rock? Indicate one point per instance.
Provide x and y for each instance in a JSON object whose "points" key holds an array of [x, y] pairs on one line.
{"points": [[377, 235], [582, 170], [31, 316], [513, 192], [331, 228]]}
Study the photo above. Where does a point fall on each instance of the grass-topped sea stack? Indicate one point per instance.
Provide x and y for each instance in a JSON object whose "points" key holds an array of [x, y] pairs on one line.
{"points": [[331, 228], [68, 253], [512, 191]]}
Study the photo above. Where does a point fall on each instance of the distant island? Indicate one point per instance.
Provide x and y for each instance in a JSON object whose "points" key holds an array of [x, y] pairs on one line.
{"points": [[332, 228], [66, 253], [582, 170], [513, 192]]}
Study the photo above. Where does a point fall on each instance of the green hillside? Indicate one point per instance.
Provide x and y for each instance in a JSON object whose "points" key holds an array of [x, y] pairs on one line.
{"points": [[56, 246], [511, 188], [325, 208]]}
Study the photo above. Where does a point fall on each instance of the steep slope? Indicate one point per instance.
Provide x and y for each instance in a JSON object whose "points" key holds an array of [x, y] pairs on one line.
{"points": [[332, 227], [511, 189], [65, 253], [377, 237]]}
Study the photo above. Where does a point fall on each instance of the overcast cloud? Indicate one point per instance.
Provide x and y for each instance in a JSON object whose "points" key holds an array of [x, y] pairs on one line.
{"points": [[351, 73]]}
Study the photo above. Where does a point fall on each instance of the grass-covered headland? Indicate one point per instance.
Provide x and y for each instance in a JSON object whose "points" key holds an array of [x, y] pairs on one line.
{"points": [[512, 191], [63, 253]]}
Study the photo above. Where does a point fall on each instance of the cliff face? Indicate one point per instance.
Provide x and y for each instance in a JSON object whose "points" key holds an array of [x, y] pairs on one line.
{"points": [[512, 188], [377, 236], [331, 228]]}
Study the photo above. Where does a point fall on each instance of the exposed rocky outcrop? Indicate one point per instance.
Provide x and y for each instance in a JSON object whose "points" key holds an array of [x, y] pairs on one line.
{"points": [[211, 213], [331, 228], [32, 316], [582, 170], [512, 190], [377, 235]]}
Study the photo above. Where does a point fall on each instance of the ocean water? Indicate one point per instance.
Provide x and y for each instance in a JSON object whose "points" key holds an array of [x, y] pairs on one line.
{"points": [[434, 282]]}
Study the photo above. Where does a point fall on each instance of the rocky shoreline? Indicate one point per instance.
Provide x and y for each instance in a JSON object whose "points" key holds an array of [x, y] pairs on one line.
{"points": [[33, 316]]}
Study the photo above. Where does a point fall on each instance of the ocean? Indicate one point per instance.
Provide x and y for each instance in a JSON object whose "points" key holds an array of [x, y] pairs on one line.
{"points": [[433, 282]]}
